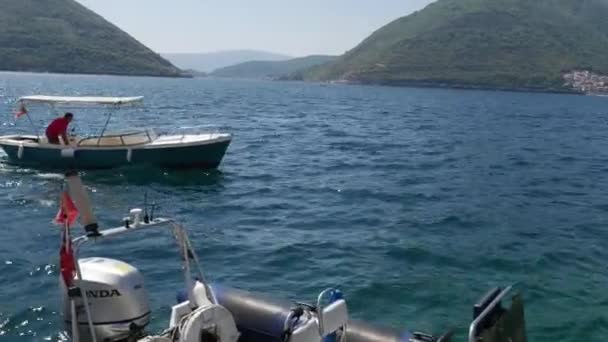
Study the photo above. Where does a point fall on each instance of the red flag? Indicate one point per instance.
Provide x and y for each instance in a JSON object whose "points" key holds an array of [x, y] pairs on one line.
{"points": [[67, 212], [67, 264], [22, 111]]}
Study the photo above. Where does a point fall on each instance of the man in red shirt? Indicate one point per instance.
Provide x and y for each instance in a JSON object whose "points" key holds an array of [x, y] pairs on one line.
{"points": [[58, 128]]}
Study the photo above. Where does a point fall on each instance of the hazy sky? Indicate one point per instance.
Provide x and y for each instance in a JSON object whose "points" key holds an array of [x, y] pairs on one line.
{"points": [[293, 27]]}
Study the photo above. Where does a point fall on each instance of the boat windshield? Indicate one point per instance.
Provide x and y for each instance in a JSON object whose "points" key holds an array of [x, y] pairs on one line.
{"points": [[130, 138]]}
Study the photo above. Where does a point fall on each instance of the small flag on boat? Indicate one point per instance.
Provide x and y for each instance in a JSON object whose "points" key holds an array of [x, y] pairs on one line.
{"points": [[67, 211], [67, 264], [22, 111]]}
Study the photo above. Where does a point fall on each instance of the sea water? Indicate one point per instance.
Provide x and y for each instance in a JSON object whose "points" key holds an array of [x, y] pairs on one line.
{"points": [[412, 201]]}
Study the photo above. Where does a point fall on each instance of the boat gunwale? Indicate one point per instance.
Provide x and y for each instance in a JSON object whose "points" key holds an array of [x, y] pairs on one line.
{"points": [[10, 141]]}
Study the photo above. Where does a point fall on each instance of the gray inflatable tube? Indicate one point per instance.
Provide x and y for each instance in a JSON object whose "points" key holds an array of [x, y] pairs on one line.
{"points": [[261, 319]]}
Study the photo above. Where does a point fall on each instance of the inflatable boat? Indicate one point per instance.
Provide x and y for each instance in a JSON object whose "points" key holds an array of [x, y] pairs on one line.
{"points": [[105, 300]]}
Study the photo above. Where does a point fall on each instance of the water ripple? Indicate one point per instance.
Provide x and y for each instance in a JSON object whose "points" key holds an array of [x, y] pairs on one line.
{"points": [[414, 201]]}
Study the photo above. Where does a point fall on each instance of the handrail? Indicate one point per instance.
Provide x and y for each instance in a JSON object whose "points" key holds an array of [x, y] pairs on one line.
{"points": [[180, 236], [486, 312], [143, 133], [191, 129], [120, 134], [320, 310], [110, 232], [78, 242]]}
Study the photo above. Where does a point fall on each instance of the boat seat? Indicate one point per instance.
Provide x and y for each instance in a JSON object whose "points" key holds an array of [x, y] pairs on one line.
{"points": [[334, 317], [178, 311], [111, 141], [135, 139], [307, 332]]}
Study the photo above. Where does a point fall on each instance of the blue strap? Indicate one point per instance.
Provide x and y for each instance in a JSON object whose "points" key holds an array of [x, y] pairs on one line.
{"points": [[406, 336]]}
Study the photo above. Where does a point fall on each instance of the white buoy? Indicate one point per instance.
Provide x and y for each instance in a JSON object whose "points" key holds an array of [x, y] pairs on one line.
{"points": [[67, 153], [129, 154]]}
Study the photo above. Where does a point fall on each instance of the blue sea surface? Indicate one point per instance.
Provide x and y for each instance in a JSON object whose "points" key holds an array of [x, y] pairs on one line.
{"points": [[413, 201]]}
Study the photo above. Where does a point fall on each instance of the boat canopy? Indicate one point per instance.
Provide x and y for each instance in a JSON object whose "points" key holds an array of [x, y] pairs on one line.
{"points": [[82, 100]]}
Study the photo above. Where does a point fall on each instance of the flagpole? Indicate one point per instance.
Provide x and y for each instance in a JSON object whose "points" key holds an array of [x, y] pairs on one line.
{"points": [[87, 309], [75, 334], [83, 291], [68, 243]]}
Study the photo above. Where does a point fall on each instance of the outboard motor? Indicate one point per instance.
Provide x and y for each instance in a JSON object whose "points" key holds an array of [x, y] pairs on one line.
{"points": [[118, 300]]}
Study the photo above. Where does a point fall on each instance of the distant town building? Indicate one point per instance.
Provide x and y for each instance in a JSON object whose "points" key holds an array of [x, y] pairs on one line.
{"points": [[586, 82]]}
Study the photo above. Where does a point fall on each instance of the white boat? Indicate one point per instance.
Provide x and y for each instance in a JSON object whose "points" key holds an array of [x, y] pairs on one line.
{"points": [[110, 150], [107, 301]]}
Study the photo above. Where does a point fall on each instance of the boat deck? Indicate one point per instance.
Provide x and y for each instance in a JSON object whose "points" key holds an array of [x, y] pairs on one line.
{"points": [[188, 138]]}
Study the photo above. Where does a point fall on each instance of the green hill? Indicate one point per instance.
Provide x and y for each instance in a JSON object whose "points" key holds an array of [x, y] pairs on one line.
{"points": [[271, 69], [508, 44], [64, 36], [210, 61]]}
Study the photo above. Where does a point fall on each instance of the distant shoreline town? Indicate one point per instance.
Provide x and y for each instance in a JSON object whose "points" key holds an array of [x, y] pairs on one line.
{"points": [[587, 82]]}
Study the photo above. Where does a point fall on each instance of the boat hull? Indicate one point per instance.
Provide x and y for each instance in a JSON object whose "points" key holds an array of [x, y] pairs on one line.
{"points": [[205, 155]]}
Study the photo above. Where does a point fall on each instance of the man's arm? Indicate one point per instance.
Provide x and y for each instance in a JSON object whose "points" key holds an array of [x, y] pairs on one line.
{"points": [[64, 136]]}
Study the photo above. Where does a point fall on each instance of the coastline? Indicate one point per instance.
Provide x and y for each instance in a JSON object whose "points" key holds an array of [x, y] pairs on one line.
{"points": [[98, 74], [396, 84], [444, 85]]}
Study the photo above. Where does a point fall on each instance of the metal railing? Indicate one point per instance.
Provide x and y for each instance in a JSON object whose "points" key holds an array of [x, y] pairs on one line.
{"points": [[181, 238], [487, 311], [213, 130], [148, 134]]}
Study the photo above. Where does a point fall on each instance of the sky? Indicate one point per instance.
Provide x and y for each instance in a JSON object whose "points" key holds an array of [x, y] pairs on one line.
{"points": [[291, 27]]}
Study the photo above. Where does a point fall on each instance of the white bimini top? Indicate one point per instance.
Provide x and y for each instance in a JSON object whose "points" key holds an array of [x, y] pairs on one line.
{"points": [[82, 100]]}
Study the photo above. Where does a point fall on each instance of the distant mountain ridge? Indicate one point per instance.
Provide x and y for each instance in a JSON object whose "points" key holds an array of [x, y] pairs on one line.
{"points": [[499, 44], [272, 69], [208, 62], [65, 37]]}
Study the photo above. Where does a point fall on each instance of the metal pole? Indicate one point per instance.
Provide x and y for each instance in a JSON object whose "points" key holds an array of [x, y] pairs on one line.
{"points": [[210, 293], [187, 274], [485, 312], [184, 242], [33, 126], [85, 299], [75, 335], [104, 128]]}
